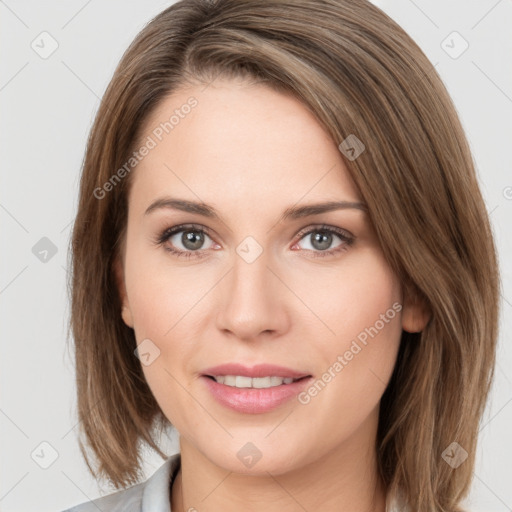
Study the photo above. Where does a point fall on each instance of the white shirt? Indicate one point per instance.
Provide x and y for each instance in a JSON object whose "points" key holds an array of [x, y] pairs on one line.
{"points": [[154, 495]]}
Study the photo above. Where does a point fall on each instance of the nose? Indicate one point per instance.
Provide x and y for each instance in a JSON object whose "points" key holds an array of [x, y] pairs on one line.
{"points": [[253, 301]]}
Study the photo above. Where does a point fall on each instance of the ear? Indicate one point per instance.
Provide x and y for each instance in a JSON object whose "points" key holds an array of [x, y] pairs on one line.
{"points": [[415, 313], [126, 312]]}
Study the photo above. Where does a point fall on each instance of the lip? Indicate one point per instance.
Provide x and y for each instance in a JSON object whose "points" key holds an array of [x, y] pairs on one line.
{"points": [[259, 370], [253, 400]]}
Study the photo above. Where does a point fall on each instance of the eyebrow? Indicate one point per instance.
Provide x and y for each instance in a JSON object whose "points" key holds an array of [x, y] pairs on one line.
{"points": [[293, 212]]}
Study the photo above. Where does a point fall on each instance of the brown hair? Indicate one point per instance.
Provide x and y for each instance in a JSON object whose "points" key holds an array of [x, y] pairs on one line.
{"points": [[360, 74]]}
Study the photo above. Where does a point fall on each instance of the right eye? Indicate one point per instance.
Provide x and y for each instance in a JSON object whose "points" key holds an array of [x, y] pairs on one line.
{"points": [[190, 237]]}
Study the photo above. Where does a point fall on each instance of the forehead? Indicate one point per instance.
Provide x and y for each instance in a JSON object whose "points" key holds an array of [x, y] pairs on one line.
{"points": [[242, 143]]}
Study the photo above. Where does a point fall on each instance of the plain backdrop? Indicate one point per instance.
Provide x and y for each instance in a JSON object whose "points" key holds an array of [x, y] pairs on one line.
{"points": [[48, 103]]}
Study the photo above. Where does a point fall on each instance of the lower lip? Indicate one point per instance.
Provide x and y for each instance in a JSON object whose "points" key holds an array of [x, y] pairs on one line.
{"points": [[254, 400]]}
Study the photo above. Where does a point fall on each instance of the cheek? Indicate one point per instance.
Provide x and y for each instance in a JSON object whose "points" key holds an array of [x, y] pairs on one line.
{"points": [[166, 306], [364, 311], [359, 305], [349, 297], [160, 294]]}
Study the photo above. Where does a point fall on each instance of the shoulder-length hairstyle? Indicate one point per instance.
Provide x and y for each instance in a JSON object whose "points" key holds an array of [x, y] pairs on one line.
{"points": [[360, 74]]}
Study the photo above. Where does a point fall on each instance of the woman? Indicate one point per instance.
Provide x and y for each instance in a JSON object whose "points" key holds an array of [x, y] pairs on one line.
{"points": [[281, 249]]}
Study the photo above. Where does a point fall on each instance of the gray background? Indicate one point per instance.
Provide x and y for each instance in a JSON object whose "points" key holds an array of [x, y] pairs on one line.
{"points": [[48, 105]]}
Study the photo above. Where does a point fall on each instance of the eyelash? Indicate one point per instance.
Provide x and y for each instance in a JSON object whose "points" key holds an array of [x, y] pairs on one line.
{"points": [[168, 232]]}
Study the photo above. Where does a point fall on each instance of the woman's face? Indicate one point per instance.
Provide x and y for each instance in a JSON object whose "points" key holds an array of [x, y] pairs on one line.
{"points": [[253, 283]]}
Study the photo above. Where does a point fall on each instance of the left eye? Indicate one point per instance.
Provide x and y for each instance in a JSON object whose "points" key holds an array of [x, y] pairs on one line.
{"points": [[321, 239]]}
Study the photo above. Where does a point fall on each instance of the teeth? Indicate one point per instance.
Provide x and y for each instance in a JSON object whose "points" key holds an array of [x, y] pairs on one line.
{"points": [[239, 381]]}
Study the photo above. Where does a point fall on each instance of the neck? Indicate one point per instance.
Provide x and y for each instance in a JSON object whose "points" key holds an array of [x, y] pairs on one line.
{"points": [[344, 479]]}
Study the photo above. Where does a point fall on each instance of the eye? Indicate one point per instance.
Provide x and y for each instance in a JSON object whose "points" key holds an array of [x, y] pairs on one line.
{"points": [[186, 240], [321, 238]]}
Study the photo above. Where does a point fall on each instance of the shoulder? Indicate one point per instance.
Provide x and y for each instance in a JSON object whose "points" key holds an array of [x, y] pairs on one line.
{"points": [[129, 500], [153, 494]]}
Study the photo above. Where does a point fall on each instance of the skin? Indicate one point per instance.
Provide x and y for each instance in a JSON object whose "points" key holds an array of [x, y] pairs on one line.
{"points": [[251, 152]]}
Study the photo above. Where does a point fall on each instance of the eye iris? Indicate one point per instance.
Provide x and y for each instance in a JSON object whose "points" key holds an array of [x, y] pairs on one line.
{"points": [[192, 239], [321, 240]]}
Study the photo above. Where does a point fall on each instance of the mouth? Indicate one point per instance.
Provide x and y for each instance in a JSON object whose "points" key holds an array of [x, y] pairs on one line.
{"points": [[254, 395], [260, 376], [242, 381]]}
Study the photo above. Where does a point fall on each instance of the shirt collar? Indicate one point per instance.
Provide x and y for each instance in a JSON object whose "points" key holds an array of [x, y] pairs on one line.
{"points": [[156, 496]]}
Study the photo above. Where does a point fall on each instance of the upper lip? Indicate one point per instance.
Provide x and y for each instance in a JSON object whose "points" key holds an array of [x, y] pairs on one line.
{"points": [[259, 370]]}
